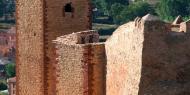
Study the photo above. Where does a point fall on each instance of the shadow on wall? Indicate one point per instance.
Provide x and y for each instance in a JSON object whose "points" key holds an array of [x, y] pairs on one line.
{"points": [[165, 61]]}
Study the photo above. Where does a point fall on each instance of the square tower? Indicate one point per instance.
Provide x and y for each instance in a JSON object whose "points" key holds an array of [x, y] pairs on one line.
{"points": [[38, 23]]}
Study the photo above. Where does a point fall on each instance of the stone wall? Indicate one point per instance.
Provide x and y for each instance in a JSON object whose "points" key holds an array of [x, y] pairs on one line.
{"points": [[124, 52], [30, 51], [58, 23], [38, 23], [144, 58], [81, 65], [165, 61]]}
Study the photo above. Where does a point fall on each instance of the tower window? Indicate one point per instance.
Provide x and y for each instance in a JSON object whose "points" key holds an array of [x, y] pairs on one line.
{"points": [[68, 8], [91, 39]]}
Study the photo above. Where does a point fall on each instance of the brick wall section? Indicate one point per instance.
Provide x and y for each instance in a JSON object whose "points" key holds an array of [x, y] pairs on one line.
{"points": [[57, 23], [147, 59], [80, 68], [38, 23], [29, 59]]}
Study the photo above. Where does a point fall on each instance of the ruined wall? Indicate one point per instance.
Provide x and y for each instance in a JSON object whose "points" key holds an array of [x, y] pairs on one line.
{"points": [[185, 27], [81, 65], [124, 52], [59, 22], [165, 61], [144, 58], [30, 53]]}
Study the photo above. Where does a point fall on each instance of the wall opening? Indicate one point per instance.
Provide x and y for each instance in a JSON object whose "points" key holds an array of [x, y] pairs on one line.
{"points": [[91, 39], [68, 7], [83, 40]]}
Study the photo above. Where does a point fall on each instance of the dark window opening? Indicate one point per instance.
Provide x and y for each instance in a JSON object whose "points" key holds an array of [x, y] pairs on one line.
{"points": [[6, 41], [68, 8], [91, 39], [82, 40]]}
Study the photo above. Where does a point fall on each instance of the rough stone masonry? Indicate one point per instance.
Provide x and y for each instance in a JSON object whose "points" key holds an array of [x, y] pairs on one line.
{"points": [[38, 23], [81, 64], [143, 57]]}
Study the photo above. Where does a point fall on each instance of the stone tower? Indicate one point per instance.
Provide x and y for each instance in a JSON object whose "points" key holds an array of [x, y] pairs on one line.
{"points": [[81, 64], [38, 23]]}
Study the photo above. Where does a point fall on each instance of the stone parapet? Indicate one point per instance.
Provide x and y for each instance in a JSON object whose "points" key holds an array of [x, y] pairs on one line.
{"points": [[81, 64]]}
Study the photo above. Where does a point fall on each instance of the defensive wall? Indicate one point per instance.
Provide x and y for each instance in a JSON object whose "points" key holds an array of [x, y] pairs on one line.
{"points": [[38, 23], [81, 64]]}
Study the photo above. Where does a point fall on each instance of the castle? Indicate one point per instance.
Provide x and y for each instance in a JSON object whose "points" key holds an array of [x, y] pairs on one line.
{"points": [[38, 23], [57, 54]]}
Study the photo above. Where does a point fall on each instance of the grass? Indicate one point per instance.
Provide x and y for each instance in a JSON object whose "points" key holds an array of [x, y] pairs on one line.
{"points": [[98, 26], [5, 25], [3, 93], [105, 30]]}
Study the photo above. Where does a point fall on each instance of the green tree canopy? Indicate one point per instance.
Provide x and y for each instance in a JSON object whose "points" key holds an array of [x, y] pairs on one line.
{"points": [[10, 70], [131, 11], [105, 5], [3, 86], [115, 11], [2, 7], [169, 9]]}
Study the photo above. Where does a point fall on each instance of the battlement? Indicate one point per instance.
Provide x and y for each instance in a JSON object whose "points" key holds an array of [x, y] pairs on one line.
{"points": [[81, 64], [83, 37]]}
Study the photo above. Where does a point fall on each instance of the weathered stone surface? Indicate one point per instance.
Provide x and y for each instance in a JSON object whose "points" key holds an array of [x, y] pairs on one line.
{"points": [[60, 22], [29, 63], [38, 23], [147, 59], [124, 51], [150, 17], [185, 27], [178, 20], [81, 64]]}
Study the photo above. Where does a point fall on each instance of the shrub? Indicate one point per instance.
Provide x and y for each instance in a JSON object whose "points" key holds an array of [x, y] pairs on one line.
{"points": [[169, 9], [131, 11], [3, 85], [10, 70]]}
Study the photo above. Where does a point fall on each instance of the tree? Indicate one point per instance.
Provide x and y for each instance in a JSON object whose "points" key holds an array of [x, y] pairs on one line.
{"points": [[10, 6], [10, 70], [169, 9], [2, 7], [130, 12], [115, 11], [3, 86], [105, 5]]}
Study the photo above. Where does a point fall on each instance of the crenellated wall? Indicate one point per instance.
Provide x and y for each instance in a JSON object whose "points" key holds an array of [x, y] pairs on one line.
{"points": [[81, 64]]}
